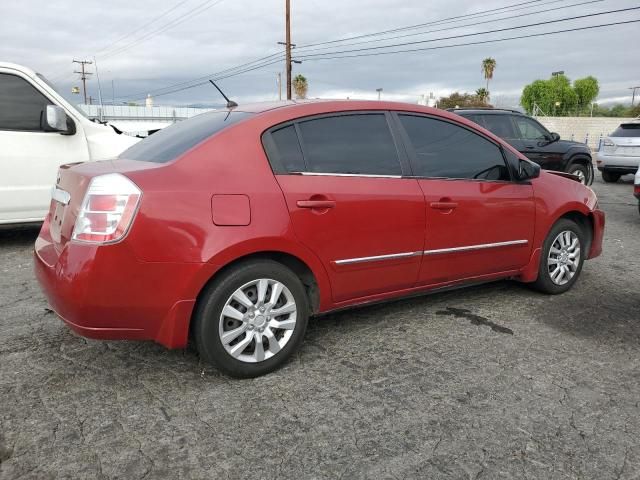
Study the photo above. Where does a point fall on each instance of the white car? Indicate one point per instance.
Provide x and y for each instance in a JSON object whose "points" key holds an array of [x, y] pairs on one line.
{"points": [[619, 153], [636, 187], [39, 131]]}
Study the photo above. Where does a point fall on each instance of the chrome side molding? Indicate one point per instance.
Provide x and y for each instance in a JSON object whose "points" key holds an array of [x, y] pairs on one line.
{"points": [[481, 246], [395, 256], [391, 256]]}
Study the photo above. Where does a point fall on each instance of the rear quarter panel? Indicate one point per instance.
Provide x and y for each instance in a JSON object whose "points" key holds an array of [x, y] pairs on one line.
{"points": [[175, 221]]}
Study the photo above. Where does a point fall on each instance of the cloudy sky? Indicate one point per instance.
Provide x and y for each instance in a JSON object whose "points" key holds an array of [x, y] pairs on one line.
{"points": [[144, 46]]}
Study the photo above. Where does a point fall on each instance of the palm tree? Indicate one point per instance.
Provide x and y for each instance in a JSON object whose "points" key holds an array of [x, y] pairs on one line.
{"points": [[488, 67], [482, 94], [300, 86]]}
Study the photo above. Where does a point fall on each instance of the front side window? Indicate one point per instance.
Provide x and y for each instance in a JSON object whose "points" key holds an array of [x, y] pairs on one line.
{"points": [[359, 144], [500, 125], [529, 129], [446, 150], [21, 104]]}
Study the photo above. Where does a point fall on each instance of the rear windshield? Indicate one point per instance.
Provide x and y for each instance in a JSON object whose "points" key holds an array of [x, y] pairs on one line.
{"points": [[627, 130], [171, 142]]}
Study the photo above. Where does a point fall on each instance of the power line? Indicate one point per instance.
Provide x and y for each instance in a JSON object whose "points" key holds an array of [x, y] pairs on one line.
{"points": [[482, 13], [215, 78], [497, 30], [482, 42], [204, 79], [142, 27], [463, 26], [276, 57], [201, 7]]}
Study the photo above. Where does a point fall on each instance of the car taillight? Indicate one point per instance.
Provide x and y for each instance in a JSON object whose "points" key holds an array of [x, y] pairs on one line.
{"points": [[607, 142], [107, 210]]}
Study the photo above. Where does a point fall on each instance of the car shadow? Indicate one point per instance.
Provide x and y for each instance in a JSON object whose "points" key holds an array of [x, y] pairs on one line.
{"points": [[20, 234]]}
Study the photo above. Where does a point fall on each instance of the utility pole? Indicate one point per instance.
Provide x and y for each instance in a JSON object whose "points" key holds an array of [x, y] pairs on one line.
{"points": [[288, 45], [83, 75], [633, 94], [379, 90]]}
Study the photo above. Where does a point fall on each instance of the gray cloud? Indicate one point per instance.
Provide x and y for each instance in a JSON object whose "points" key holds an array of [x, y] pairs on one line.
{"points": [[46, 35]]}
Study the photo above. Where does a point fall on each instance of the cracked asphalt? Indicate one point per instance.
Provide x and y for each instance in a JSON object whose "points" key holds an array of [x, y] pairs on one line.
{"points": [[491, 382]]}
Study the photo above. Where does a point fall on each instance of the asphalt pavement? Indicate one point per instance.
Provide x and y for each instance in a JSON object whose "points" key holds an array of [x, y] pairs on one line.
{"points": [[491, 382]]}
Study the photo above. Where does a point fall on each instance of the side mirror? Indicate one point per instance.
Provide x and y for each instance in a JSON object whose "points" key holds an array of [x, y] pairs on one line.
{"points": [[528, 170], [55, 119], [554, 137]]}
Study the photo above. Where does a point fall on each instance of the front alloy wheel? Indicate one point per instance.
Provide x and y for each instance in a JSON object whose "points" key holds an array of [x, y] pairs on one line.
{"points": [[564, 257]]}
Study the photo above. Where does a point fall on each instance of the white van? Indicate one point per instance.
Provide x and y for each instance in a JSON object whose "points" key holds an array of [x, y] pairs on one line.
{"points": [[39, 131]]}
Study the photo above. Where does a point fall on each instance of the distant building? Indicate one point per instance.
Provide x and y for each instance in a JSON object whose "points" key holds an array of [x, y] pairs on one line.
{"points": [[139, 120]]}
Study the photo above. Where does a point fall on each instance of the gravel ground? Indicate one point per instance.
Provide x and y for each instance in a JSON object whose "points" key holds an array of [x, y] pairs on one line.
{"points": [[491, 382]]}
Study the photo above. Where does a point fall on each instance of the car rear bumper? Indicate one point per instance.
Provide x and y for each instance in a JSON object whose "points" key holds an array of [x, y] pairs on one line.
{"points": [[617, 163], [105, 292]]}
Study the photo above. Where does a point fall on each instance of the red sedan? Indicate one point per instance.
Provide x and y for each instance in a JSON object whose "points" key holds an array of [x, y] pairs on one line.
{"points": [[235, 226]]}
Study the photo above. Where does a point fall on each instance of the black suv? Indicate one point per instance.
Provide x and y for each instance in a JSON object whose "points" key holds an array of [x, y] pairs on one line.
{"points": [[528, 136]]}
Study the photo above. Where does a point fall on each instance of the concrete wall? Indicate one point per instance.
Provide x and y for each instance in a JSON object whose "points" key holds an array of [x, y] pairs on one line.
{"points": [[582, 129]]}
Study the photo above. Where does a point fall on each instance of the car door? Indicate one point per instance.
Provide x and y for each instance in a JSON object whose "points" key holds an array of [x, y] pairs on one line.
{"points": [[29, 157], [479, 221], [536, 145], [342, 178]]}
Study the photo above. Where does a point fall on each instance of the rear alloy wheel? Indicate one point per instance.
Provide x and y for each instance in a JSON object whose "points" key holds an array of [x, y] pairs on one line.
{"points": [[252, 319], [610, 177], [562, 258], [579, 171]]}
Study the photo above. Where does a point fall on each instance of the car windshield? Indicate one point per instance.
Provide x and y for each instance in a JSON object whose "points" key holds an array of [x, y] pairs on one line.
{"points": [[627, 130]]}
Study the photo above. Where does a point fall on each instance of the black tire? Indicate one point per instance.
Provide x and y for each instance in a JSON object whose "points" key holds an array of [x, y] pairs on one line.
{"points": [[544, 283], [208, 312], [577, 169], [610, 177]]}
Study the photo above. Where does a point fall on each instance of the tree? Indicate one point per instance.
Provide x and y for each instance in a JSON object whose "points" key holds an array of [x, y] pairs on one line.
{"points": [[488, 67], [457, 99], [557, 96], [482, 94], [300, 86], [587, 90]]}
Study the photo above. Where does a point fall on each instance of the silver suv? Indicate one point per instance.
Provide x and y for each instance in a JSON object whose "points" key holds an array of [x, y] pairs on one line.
{"points": [[619, 153]]}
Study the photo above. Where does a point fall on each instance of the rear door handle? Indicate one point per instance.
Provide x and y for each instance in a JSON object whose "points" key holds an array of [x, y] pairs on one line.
{"points": [[443, 205], [316, 204]]}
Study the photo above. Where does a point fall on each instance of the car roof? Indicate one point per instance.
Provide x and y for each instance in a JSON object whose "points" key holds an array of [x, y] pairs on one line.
{"points": [[484, 111]]}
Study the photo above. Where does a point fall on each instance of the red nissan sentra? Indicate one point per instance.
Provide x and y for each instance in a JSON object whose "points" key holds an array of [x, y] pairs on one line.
{"points": [[235, 226]]}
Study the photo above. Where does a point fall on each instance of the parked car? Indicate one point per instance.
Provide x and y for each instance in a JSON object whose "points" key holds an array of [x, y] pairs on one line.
{"points": [[235, 226], [531, 138], [39, 131], [636, 187], [619, 153]]}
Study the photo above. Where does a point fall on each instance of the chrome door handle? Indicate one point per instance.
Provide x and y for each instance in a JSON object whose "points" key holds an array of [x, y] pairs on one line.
{"points": [[316, 203], [443, 205]]}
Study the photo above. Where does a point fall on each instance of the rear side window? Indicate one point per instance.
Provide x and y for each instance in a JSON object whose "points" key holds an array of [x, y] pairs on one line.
{"points": [[627, 130], [289, 151], [171, 142], [499, 125], [21, 105], [358, 144], [446, 150]]}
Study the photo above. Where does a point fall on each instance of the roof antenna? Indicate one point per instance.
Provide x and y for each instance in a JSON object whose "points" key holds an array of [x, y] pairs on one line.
{"points": [[230, 103]]}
